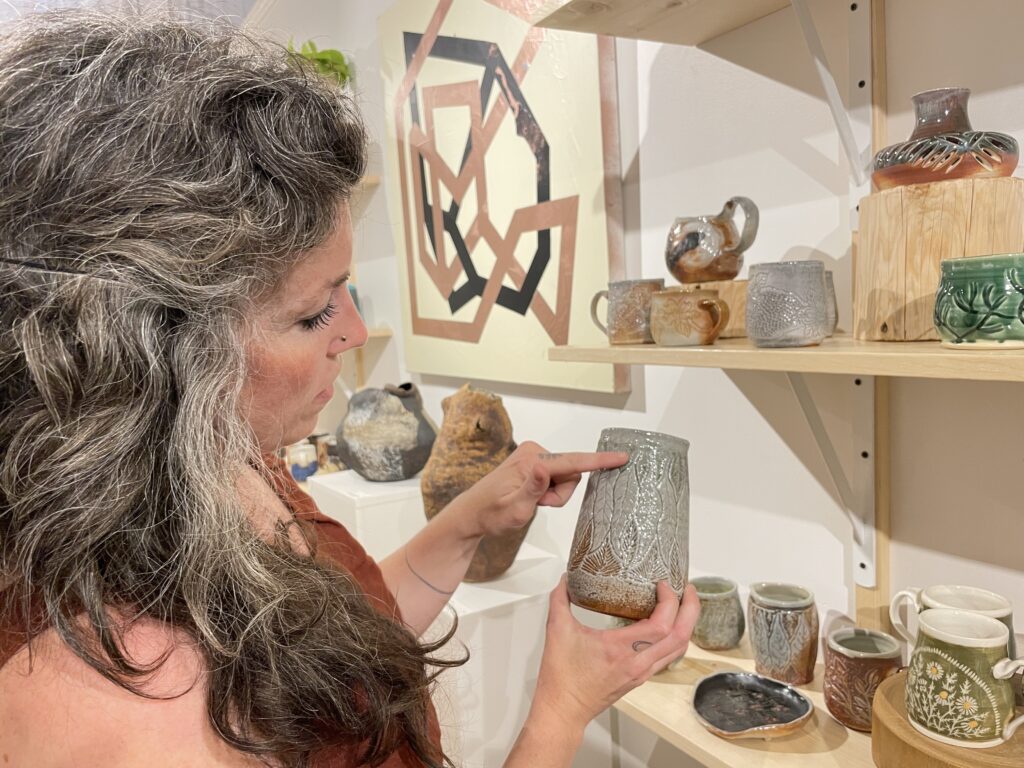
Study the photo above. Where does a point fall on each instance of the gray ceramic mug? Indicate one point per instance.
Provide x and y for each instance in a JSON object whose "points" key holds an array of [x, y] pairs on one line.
{"points": [[783, 631], [721, 624], [787, 305], [629, 310]]}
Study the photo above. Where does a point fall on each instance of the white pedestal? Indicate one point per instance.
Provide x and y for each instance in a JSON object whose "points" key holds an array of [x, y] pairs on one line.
{"points": [[482, 704], [382, 516]]}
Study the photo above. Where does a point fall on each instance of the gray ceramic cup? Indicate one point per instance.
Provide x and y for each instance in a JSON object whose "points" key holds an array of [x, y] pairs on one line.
{"points": [[787, 305], [721, 622], [783, 631]]}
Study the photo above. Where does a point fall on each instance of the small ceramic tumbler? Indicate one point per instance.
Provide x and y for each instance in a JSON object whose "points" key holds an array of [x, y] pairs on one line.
{"points": [[786, 304], [956, 597], [958, 683], [687, 318], [783, 631], [633, 527], [721, 624], [629, 310], [856, 662]]}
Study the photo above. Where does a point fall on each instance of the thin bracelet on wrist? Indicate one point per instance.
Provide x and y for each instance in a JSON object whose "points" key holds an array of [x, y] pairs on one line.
{"points": [[427, 583]]}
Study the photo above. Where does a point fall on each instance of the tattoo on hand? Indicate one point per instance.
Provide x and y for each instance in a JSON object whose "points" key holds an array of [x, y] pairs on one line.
{"points": [[550, 455]]}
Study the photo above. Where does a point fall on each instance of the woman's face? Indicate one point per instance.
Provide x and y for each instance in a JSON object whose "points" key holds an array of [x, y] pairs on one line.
{"points": [[301, 332]]}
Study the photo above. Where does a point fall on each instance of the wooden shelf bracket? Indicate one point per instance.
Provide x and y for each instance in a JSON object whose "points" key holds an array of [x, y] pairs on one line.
{"points": [[857, 493]]}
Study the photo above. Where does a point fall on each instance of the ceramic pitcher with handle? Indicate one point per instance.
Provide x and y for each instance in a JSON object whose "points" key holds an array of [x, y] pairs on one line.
{"points": [[702, 248]]}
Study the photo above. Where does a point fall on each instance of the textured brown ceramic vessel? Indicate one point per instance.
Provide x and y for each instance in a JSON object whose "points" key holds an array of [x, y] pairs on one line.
{"points": [[475, 437], [856, 663]]}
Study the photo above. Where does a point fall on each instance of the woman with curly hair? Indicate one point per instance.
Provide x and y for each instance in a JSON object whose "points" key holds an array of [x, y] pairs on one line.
{"points": [[174, 244]]}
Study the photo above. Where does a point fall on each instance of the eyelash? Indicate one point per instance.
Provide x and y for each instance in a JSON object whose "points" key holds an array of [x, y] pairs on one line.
{"points": [[320, 320]]}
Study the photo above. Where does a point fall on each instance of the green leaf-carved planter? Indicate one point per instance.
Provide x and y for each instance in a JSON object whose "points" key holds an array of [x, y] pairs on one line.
{"points": [[980, 302]]}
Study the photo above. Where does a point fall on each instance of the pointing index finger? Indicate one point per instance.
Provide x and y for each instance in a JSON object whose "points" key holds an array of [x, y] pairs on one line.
{"points": [[559, 464]]}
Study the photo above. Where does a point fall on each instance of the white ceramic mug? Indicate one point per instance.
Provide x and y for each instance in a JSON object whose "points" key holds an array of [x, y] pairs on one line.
{"points": [[955, 597]]}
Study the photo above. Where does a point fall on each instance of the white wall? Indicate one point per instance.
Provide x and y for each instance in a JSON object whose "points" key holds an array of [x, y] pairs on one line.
{"points": [[745, 115]]}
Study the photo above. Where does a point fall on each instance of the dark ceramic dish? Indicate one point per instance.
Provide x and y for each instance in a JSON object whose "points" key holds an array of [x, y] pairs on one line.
{"points": [[745, 705]]}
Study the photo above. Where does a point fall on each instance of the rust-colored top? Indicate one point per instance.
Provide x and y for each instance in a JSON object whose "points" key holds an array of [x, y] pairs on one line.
{"points": [[335, 547]]}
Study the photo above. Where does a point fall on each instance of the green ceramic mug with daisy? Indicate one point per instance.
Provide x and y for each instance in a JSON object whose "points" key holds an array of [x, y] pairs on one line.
{"points": [[958, 682]]}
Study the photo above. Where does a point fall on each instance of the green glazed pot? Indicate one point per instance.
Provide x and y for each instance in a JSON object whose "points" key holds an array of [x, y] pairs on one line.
{"points": [[980, 302]]}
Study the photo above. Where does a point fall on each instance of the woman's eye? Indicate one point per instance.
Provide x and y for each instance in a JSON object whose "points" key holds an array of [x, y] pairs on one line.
{"points": [[320, 320]]}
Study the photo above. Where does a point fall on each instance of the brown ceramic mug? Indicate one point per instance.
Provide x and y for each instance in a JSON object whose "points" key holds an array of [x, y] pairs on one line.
{"points": [[629, 310], [687, 318], [856, 662]]}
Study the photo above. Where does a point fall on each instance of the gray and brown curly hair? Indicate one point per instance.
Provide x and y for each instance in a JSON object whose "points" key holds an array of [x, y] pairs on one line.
{"points": [[157, 180]]}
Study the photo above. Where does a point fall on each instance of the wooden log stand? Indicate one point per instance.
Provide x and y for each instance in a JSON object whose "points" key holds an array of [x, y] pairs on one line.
{"points": [[733, 293], [895, 743], [906, 232]]}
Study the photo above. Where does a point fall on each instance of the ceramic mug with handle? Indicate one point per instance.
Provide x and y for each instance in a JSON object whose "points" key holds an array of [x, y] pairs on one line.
{"points": [[629, 310], [958, 683], [955, 597]]}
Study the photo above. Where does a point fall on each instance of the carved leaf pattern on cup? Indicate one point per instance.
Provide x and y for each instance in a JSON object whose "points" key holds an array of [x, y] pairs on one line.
{"points": [[850, 688], [948, 698], [785, 642], [958, 311], [778, 311]]}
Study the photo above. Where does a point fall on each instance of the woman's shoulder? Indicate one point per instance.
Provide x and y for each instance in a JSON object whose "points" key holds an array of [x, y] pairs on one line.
{"points": [[56, 710]]}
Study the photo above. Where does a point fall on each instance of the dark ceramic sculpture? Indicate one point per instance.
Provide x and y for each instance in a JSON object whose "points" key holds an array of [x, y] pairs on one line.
{"points": [[703, 248], [385, 435], [944, 146], [741, 705], [475, 437], [633, 527]]}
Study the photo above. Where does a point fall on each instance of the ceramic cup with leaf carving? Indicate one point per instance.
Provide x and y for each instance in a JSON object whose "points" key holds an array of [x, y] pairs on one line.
{"points": [[980, 302], [856, 662], [686, 318], [783, 631], [629, 310], [721, 623], [958, 683], [787, 304], [633, 526]]}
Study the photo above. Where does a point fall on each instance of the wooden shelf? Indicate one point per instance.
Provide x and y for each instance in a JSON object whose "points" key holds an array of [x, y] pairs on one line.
{"points": [[368, 182], [380, 332], [685, 23], [664, 705], [840, 354]]}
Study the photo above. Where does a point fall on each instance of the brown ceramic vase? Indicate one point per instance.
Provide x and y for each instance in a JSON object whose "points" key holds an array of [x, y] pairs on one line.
{"points": [[856, 663]]}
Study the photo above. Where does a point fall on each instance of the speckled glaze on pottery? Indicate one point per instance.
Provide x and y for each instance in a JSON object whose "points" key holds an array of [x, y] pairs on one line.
{"points": [[980, 302], [955, 597], [944, 146], [783, 631], [385, 435], [831, 307], [786, 305], [475, 437], [721, 623], [742, 705], [686, 318], [633, 527], [703, 248], [856, 662], [958, 686], [629, 310]]}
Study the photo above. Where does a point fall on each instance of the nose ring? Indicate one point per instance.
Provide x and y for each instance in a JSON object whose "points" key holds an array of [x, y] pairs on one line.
{"points": [[344, 338]]}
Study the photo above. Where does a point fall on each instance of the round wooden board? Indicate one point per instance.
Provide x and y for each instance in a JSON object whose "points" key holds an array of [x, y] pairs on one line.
{"points": [[895, 743]]}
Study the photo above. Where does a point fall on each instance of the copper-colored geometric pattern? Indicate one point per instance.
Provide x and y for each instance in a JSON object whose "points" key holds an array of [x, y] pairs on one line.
{"points": [[513, 281]]}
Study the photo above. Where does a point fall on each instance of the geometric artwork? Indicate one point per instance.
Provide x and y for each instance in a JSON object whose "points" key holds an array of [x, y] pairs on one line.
{"points": [[504, 189]]}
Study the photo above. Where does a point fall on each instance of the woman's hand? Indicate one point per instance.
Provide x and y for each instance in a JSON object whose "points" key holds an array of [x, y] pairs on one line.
{"points": [[507, 498], [585, 670]]}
